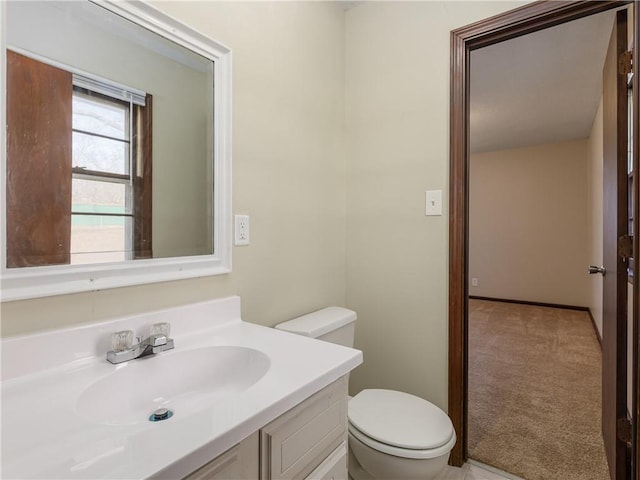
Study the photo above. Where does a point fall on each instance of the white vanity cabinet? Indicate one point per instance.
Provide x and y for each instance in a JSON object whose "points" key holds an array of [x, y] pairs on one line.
{"points": [[299, 442], [307, 442]]}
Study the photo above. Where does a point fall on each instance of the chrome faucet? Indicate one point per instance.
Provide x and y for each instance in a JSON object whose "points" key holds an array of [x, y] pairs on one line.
{"points": [[124, 350]]}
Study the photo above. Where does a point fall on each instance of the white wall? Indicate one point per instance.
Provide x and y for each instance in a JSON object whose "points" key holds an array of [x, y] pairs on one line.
{"points": [[528, 218], [595, 156], [289, 172], [397, 120]]}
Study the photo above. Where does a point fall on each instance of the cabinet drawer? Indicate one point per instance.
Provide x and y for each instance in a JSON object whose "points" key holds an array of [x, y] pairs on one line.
{"points": [[293, 445]]}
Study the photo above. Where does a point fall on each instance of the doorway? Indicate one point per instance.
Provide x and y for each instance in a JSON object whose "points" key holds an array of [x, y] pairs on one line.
{"points": [[535, 144], [519, 22]]}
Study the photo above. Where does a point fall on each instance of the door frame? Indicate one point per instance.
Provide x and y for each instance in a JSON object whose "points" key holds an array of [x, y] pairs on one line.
{"points": [[635, 347], [514, 23]]}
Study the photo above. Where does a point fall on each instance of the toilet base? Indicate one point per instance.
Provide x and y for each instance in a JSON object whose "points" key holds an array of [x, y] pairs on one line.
{"points": [[366, 463], [356, 472]]}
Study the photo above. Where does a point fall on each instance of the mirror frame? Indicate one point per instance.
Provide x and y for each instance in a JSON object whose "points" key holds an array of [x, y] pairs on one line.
{"points": [[33, 282]]}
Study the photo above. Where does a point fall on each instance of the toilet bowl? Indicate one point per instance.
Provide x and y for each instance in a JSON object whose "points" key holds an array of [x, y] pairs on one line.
{"points": [[397, 435], [392, 435]]}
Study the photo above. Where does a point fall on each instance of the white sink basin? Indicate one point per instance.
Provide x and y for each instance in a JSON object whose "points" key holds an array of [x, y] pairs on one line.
{"points": [[182, 381]]}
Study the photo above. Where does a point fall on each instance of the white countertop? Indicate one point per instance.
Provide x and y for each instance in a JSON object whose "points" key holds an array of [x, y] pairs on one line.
{"points": [[44, 436]]}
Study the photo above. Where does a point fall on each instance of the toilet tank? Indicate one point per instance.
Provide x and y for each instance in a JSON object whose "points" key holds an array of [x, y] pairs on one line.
{"points": [[331, 324]]}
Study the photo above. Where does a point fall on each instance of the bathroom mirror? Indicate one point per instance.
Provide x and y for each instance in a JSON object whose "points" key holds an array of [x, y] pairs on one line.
{"points": [[116, 162]]}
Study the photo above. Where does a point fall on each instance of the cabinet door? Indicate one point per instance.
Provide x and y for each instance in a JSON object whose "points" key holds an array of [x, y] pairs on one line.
{"points": [[334, 467], [239, 462], [293, 445]]}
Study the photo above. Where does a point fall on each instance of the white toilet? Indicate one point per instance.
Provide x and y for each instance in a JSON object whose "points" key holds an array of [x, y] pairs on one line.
{"points": [[392, 435]]}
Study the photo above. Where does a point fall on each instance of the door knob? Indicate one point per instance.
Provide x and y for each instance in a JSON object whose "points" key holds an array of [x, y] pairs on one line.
{"points": [[594, 269]]}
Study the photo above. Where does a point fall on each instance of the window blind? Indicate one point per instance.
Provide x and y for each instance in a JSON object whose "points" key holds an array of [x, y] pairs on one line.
{"points": [[113, 90]]}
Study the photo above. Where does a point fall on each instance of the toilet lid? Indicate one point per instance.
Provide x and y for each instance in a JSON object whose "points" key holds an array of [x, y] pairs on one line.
{"points": [[400, 419]]}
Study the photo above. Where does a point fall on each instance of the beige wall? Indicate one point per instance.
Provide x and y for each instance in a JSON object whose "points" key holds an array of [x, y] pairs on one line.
{"points": [[594, 175], [397, 119], [528, 224], [289, 172]]}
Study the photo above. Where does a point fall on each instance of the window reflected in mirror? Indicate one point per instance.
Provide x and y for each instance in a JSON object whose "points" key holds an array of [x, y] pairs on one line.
{"points": [[109, 144]]}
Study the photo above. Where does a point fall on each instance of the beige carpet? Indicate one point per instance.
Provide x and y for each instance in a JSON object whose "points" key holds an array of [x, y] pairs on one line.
{"points": [[534, 391]]}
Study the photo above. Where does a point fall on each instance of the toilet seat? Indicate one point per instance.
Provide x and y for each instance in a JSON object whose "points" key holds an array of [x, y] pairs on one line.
{"points": [[400, 424], [402, 452]]}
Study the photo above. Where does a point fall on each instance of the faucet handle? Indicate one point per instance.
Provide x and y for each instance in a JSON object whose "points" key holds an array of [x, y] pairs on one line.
{"points": [[163, 328], [121, 340]]}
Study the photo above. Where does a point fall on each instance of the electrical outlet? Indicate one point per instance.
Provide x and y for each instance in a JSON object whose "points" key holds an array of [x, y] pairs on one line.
{"points": [[474, 281], [242, 230]]}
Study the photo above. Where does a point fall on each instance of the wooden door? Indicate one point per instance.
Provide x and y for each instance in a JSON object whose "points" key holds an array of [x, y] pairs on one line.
{"points": [[38, 163], [635, 196], [614, 328]]}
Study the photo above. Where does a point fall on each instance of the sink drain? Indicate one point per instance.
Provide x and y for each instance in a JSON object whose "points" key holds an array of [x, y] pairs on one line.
{"points": [[160, 414]]}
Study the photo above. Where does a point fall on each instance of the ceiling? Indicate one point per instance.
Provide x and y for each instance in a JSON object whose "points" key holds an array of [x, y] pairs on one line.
{"points": [[540, 88]]}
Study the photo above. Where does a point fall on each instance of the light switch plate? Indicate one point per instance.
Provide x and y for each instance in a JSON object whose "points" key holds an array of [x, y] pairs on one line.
{"points": [[434, 202]]}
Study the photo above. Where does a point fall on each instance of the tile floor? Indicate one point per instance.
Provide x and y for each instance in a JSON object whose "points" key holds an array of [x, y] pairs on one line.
{"points": [[484, 472], [475, 471]]}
